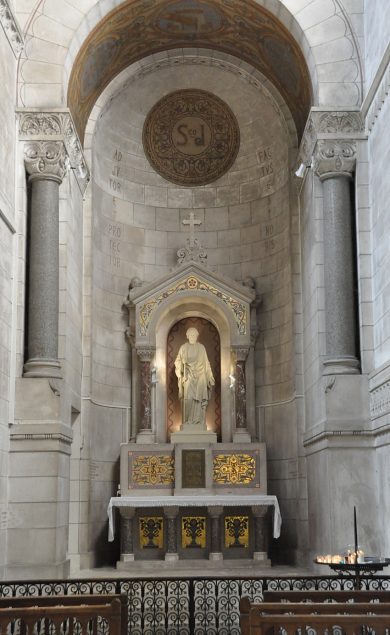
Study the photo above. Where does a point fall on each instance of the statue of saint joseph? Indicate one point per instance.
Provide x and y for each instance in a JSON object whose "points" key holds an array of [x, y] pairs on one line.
{"points": [[195, 379]]}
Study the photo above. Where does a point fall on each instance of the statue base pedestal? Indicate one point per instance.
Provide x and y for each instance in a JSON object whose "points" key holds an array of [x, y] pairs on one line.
{"points": [[193, 434]]}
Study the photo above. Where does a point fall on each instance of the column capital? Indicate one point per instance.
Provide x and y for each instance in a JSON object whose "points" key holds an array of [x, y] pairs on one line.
{"points": [[57, 126], [45, 160], [146, 354], [241, 353], [328, 125], [335, 158]]}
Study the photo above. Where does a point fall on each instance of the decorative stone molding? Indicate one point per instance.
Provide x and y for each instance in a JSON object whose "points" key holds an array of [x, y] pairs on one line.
{"points": [[57, 126], [335, 158], [45, 159], [192, 253], [340, 123], [380, 401], [378, 92], [327, 125], [11, 28]]}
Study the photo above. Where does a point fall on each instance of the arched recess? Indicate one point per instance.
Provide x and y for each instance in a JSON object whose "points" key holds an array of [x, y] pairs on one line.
{"points": [[58, 33]]}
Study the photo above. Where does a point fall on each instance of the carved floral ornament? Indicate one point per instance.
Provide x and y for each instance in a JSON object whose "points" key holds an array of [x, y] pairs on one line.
{"points": [[55, 127], [330, 126], [11, 27], [193, 283]]}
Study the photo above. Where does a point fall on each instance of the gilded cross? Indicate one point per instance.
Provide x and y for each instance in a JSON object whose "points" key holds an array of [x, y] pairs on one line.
{"points": [[192, 222]]}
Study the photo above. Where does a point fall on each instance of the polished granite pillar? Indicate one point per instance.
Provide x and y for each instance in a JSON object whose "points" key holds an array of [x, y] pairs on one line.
{"points": [[45, 163], [335, 164]]}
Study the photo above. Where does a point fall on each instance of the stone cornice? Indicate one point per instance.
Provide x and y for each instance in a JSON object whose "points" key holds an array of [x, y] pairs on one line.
{"points": [[327, 125], [378, 91], [55, 126], [348, 435], [11, 28]]}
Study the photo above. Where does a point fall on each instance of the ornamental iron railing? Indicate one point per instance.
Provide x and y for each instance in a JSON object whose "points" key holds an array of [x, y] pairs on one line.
{"points": [[196, 606]]}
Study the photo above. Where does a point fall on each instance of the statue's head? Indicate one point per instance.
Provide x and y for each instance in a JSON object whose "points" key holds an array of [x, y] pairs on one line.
{"points": [[192, 334]]}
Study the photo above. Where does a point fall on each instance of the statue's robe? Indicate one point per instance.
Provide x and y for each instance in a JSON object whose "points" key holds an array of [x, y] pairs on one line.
{"points": [[195, 377]]}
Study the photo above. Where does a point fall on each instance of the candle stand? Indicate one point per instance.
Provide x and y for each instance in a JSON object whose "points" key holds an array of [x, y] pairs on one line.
{"points": [[358, 570]]}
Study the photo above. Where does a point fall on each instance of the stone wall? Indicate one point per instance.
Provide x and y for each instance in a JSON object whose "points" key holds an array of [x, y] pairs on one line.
{"points": [[377, 36], [377, 286], [7, 272]]}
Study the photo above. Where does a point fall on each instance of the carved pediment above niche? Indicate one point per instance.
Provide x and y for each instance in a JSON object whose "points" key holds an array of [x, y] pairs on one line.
{"points": [[192, 285]]}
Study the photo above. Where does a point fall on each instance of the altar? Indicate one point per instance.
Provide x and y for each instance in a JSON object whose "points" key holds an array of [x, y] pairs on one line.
{"points": [[193, 476]]}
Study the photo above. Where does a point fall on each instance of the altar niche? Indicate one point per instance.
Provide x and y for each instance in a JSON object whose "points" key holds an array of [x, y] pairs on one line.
{"points": [[209, 337]]}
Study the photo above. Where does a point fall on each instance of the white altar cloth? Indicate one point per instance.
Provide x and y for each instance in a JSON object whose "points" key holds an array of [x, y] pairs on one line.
{"points": [[223, 500]]}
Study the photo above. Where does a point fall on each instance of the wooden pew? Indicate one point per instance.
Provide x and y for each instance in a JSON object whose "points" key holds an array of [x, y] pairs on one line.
{"points": [[320, 624], [42, 614], [249, 612], [326, 596]]}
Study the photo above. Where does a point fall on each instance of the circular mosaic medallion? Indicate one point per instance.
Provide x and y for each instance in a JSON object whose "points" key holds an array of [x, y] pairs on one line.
{"points": [[191, 137]]}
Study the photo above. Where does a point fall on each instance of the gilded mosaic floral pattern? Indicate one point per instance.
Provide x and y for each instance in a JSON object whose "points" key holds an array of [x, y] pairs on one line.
{"points": [[234, 469], [192, 283], [151, 470]]}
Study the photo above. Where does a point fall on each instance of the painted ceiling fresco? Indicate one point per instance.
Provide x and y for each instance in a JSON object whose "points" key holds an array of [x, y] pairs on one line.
{"points": [[138, 28]]}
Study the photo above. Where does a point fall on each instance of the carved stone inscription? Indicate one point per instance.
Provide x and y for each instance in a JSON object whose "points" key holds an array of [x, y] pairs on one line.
{"points": [[191, 137]]}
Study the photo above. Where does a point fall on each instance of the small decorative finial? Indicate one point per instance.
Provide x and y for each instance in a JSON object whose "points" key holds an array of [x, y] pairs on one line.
{"points": [[193, 251]]}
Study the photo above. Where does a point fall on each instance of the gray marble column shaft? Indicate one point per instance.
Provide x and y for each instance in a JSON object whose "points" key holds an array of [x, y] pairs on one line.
{"points": [[171, 525], [45, 164], [127, 542], [339, 268], [215, 514], [335, 165]]}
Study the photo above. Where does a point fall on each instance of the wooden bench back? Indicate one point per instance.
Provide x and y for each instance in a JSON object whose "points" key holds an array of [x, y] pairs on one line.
{"points": [[320, 624], [250, 612], [87, 617], [326, 596]]}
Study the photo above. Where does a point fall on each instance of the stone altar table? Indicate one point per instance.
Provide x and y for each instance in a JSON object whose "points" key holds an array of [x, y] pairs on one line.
{"points": [[175, 511]]}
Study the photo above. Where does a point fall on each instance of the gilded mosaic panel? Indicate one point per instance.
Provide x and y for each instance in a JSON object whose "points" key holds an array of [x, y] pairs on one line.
{"points": [[151, 470], [193, 532], [236, 532], [193, 283], [236, 469], [151, 532]]}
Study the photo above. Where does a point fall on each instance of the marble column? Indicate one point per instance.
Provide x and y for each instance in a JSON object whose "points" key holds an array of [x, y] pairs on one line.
{"points": [[45, 163], [259, 516], [241, 430], [127, 534], [145, 433], [171, 513], [335, 163], [215, 514]]}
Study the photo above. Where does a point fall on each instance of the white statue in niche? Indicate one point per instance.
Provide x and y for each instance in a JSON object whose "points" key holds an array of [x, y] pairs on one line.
{"points": [[195, 379]]}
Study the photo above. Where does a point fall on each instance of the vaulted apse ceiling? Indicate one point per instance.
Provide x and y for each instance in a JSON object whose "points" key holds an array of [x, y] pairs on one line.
{"points": [[138, 28]]}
